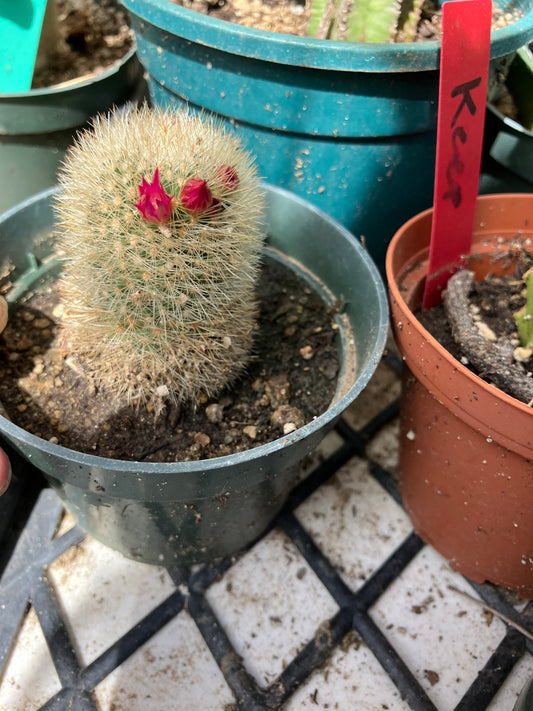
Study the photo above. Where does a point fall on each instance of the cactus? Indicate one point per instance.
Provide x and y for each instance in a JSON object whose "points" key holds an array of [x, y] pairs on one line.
{"points": [[364, 20], [160, 235], [524, 317]]}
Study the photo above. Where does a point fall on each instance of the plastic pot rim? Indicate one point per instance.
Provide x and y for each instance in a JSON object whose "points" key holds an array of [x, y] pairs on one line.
{"points": [[74, 86], [311, 52], [330, 415], [392, 280], [512, 125]]}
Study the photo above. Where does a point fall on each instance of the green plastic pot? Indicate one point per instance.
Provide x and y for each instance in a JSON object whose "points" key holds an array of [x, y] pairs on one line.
{"points": [[37, 126], [510, 142], [525, 700], [345, 125], [188, 512]]}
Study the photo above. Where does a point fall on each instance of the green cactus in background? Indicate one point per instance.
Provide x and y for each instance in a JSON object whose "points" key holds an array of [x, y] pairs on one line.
{"points": [[364, 20], [160, 217], [524, 317]]}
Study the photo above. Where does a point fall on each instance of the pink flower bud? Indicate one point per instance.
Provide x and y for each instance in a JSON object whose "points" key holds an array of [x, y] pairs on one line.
{"points": [[195, 196], [228, 177], [155, 205]]}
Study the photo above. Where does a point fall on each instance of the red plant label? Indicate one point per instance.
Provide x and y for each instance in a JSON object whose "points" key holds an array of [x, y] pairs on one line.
{"points": [[464, 64]]}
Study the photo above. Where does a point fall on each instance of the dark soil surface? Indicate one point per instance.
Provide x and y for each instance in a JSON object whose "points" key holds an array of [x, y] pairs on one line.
{"points": [[489, 297], [493, 301], [292, 378], [93, 37], [291, 16]]}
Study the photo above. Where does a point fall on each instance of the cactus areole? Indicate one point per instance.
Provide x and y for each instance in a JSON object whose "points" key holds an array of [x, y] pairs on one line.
{"points": [[160, 217]]}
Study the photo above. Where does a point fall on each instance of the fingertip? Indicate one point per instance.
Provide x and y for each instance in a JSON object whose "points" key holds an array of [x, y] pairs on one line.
{"points": [[3, 313], [5, 472]]}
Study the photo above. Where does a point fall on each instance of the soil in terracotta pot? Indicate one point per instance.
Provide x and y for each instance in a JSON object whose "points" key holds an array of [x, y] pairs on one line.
{"points": [[95, 35], [488, 340], [291, 16], [292, 378]]}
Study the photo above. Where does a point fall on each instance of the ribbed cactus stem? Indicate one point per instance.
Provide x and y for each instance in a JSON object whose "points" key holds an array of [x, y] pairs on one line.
{"points": [[524, 317], [408, 20], [159, 274], [372, 20], [364, 20]]}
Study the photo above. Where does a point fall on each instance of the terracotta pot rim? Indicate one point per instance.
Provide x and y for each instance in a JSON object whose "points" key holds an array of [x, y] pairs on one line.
{"points": [[396, 294]]}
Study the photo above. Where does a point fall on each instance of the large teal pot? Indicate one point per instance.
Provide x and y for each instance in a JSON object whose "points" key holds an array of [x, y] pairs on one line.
{"points": [[349, 126], [37, 126], [187, 512]]}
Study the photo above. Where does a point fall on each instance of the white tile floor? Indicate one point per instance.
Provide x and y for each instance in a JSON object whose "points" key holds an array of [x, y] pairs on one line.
{"points": [[270, 604]]}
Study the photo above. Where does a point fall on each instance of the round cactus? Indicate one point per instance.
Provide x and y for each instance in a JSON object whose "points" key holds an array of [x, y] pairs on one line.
{"points": [[160, 216]]}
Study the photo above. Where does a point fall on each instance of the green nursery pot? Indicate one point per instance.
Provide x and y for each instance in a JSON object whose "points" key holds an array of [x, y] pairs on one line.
{"points": [[37, 126], [188, 512], [525, 700], [345, 125], [509, 142]]}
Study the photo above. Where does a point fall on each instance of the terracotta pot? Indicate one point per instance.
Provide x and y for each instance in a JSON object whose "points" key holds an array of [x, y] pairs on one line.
{"points": [[466, 448]]}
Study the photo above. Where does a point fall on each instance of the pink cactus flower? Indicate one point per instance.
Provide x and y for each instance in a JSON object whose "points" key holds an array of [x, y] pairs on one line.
{"points": [[195, 196], [228, 177], [155, 205]]}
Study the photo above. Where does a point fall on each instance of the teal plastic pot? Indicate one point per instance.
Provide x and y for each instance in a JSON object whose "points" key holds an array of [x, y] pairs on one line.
{"points": [[188, 512], [349, 126], [37, 126]]}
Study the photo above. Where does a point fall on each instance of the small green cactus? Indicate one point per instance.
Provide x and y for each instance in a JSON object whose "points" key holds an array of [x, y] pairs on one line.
{"points": [[524, 317], [364, 20], [160, 217]]}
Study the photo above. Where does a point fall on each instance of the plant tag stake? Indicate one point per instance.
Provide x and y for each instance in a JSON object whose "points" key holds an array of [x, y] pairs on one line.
{"points": [[464, 63]]}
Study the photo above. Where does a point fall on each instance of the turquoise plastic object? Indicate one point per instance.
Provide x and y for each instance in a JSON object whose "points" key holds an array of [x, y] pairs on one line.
{"points": [[37, 126], [187, 512], [349, 126], [20, 30]]}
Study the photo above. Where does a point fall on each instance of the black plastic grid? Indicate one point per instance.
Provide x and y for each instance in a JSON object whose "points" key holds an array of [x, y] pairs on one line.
{"points": [[30, 546]]}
